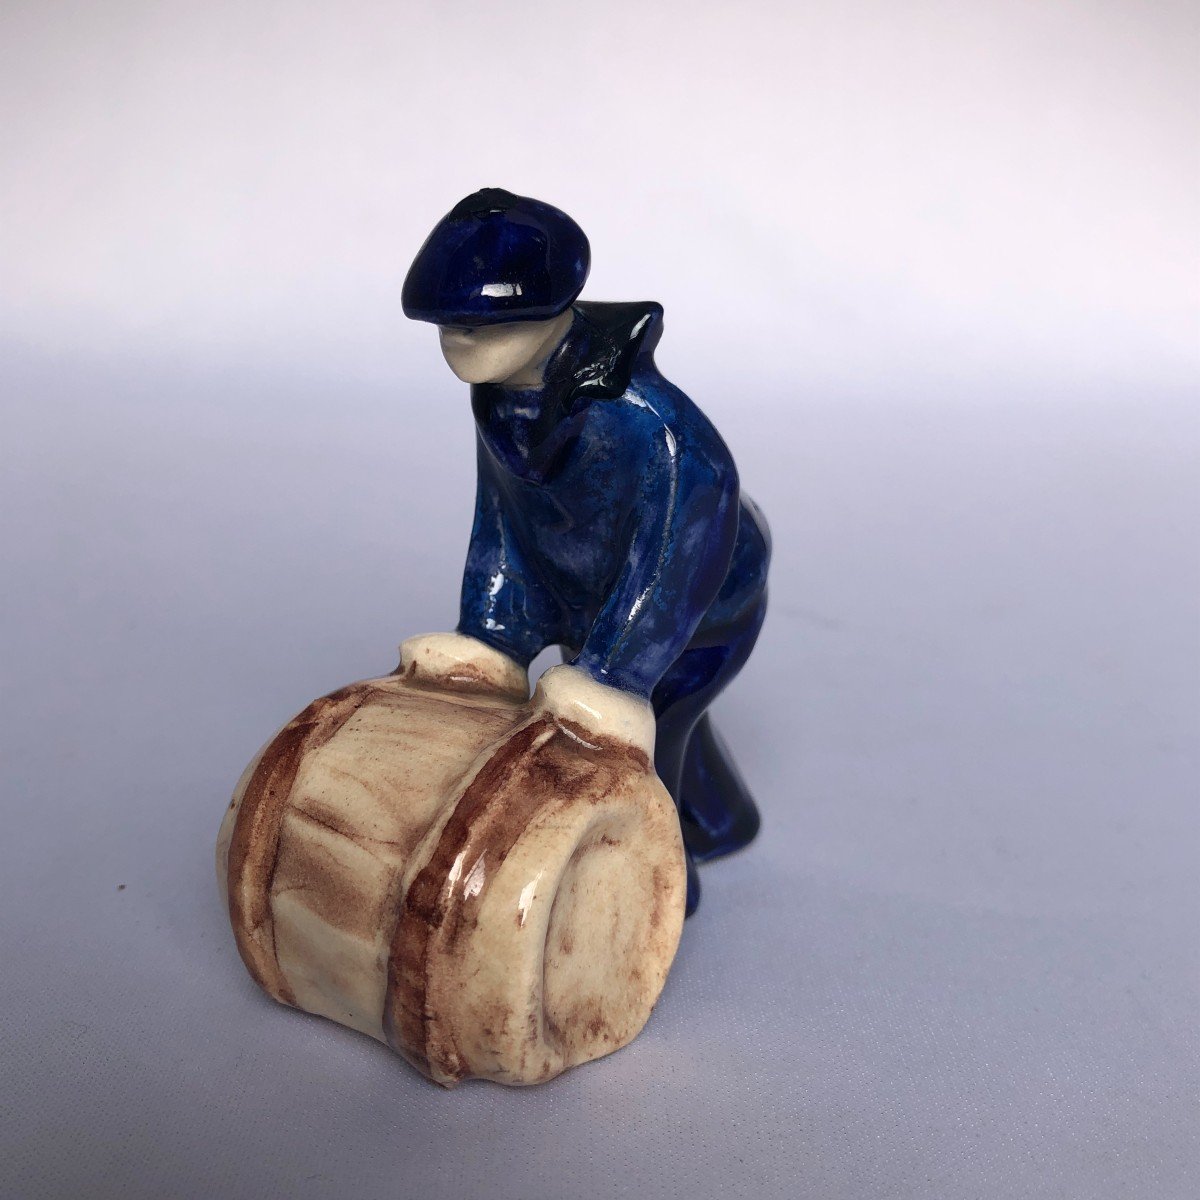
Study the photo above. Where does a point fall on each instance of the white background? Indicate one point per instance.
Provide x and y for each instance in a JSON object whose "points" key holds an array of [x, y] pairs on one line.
{"points": [[932, 268]]}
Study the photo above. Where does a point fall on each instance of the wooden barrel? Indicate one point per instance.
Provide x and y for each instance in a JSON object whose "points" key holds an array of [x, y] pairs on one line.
{"points": [[438, 862]]}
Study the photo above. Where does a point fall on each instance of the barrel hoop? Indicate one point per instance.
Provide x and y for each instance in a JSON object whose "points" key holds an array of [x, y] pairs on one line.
{"points": [[540, 766], [254, 846]]}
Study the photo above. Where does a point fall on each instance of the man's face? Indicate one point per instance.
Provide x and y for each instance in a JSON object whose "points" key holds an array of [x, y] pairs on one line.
{"points": [[498, 353]]}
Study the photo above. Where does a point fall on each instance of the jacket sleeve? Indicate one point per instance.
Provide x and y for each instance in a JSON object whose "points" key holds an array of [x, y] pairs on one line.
{"points": [[679, 538], [503, 602]]}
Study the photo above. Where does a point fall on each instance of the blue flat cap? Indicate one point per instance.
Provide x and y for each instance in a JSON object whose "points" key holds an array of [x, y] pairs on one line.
{"points": [[497, 257]]}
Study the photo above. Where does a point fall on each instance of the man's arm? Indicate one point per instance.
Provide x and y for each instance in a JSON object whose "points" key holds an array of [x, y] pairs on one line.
{"points": [[503, 603], [680, 536]]}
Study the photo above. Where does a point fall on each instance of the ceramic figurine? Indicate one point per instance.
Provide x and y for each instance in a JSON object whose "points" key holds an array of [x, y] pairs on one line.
{"points": [[494, 884]]}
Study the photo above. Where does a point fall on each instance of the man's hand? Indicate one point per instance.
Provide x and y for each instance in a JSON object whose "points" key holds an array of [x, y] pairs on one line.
{"points": [[460, 663], [594, 712]]}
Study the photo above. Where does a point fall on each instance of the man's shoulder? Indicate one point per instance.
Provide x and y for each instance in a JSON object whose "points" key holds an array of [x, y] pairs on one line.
{"points": [[620, 384]]}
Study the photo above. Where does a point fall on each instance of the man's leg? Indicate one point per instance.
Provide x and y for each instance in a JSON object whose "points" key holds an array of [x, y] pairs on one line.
{"points": [[716, 811]]}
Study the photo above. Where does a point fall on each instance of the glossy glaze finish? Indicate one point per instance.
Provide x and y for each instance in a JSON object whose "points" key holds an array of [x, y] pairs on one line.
{"points": [[609, 520], [497, 257], [492, 885]]}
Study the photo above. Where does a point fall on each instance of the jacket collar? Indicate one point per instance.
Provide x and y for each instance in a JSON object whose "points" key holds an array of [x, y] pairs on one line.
{"points": [[594, 361], [598, 355]]}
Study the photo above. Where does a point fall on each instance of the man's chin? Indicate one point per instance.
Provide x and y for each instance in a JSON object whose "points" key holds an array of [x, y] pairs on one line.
{"points": [[466, 373]]}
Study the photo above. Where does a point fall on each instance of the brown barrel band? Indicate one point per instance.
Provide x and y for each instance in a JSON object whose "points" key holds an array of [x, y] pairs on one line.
{"points": [[541, 764], [254, 846]]}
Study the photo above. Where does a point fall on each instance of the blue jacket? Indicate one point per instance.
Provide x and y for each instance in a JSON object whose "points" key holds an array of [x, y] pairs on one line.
{"points": [[608, 517]]}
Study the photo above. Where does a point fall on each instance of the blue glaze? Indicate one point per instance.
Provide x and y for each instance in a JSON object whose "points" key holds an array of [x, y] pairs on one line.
{"points": [[609, 521], [497, 257]]}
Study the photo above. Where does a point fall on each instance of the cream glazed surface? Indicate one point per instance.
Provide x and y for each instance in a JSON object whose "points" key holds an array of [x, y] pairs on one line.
{"points": [[491, 884]]}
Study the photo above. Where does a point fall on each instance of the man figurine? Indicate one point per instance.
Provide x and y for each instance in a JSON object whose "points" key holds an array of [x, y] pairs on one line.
{"points": [[608, 519]]}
